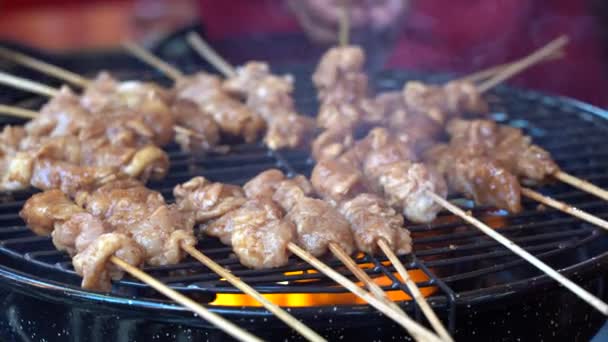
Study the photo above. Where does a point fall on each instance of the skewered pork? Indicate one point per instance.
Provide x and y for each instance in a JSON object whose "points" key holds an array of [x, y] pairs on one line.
{"points": [[476, 177], [207, 200], [441, 103], [206, 131], [372, 219], [508, 146], [233, 117]]}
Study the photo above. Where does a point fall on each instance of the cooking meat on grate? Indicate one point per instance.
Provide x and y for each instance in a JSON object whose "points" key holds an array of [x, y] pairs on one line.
{"points": [[160, 108], [207, 200], [389, 167], [331, 143], [69, 163], [204, 134], [476, 177], [372, 219], [290, 131], [339, 76], [134, 221], [233, 117], [335, 180], [257, 232], [317, 222], [506, 145], [444, 102], [270, 96]]}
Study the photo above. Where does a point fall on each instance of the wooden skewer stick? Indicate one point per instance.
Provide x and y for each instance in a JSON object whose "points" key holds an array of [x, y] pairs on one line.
{"points": [[415, 291], [491, 71], [206, 51], [238, 283], [374, 288], [343, 34], [566, 208], [416, 330], [149, 58], [352, 266], [581, 184], [567, 283], [18, 112], [517, 67], [44, 67], [27, 85], [228, 327]]}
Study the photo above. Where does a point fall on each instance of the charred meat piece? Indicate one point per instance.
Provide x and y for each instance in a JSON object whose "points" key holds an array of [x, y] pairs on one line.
{"points": [[207, 200], [372, 219]]}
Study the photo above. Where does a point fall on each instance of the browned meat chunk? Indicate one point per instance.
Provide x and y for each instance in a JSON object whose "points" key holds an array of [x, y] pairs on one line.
{"points": [[78, 232], [516, 152], [50, 174], [477, 177], [264, 184], [291, 191], [130, 208], [419, 129], [339, 77], [318, 224], [336, 114], [272, 184], [372, 219], [337, 181], [207, 132], [41, 211], [62, 115], [255, 213], [441, 103], [290, 131], [233, 117], [93, 263], [207, 200], [406, 185], [508, 146], [332, 142], [265, 245]]}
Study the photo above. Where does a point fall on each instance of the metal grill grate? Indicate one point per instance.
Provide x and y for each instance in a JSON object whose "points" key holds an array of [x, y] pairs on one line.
{"points": [[464, 265]]}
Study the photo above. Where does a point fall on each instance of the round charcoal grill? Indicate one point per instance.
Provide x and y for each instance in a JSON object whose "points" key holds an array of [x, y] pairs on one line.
{"points": [[478, 288]]}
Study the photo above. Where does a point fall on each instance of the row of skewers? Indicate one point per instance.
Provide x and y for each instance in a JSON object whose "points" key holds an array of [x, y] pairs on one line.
{"points": [[393, 156]]}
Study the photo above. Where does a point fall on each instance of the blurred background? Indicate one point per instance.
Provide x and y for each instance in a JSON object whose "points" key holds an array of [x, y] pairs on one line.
{"points": [[427, 35]]}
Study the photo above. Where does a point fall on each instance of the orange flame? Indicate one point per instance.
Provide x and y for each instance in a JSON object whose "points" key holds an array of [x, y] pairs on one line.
{"points": [[320, 299]]}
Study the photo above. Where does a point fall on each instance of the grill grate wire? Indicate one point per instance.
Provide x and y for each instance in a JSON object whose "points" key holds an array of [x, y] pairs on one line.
{"points": [[458, 260]]}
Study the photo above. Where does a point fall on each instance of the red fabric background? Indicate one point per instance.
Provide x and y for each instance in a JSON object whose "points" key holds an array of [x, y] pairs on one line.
{"points": [[461, 35]]}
